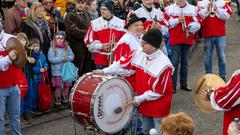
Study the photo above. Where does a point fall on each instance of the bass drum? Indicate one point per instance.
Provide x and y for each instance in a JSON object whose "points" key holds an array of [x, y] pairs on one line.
{"points": [[94, 99]]}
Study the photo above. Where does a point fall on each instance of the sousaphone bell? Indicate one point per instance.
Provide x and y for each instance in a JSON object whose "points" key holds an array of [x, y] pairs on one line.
{"points": [[205, 82], [14, 44]]}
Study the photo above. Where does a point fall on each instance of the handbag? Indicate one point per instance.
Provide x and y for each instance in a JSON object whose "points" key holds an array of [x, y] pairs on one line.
{"points": [[69, 72], [44, 92], [22, 83]]}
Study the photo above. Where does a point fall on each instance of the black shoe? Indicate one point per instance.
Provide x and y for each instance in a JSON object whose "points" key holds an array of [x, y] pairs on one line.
{"points": [[186, 88], [26, 116]]}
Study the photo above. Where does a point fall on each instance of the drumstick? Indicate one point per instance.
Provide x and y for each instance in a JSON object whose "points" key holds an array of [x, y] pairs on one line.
{"points": [[120, 109]]}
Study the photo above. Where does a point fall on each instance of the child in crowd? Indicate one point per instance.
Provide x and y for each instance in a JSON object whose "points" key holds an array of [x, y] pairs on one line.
{"points": [[38, 68], [22, 37], [92, 9], [59, 53], [178, 124], [25, 109]]}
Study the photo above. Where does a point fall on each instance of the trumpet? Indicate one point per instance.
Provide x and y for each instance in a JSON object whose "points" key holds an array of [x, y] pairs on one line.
{"points": [[184, 25], [111, 43], [212, 8]]}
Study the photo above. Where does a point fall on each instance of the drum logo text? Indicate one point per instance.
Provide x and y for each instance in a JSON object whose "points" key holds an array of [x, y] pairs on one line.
{"points": [[100, 107]]}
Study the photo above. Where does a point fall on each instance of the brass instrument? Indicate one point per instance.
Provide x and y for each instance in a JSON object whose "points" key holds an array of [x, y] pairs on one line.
{"points": [[111, 43], [184, 25], [212, 8], [150, 26]]}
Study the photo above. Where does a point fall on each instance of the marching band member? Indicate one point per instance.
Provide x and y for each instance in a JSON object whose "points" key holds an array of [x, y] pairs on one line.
{"points": [[184, 22], [154, 85], [226, 98], [99, 37], [9, 91], [129, 42], [155, 17], [214, 13]]}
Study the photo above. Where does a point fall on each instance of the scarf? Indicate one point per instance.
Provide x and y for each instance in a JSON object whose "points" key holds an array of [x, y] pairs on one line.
{"points": [[62, 45], [43, 25], [36, 55], [23, 11]]}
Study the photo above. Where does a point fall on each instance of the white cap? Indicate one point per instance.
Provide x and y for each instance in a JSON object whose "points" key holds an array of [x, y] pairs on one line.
{"points": [[153, 131]]}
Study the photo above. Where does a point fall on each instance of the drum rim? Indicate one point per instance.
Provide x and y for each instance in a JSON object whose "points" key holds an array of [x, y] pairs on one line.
{"points": [[95, 94]]}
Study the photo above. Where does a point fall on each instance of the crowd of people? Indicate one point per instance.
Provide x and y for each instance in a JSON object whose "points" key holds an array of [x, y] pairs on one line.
{"points": [[138, 40]]}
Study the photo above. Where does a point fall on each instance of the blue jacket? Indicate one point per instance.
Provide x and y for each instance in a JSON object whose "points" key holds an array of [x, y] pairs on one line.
{"points": [[56, 59], [40, 61]]}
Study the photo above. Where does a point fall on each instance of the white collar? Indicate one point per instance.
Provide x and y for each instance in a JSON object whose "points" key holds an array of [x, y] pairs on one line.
{"points": [[153, 55]]}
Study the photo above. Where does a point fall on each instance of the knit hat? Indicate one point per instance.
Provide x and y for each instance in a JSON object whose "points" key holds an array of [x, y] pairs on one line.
{"points": [[153, 37], [62, 33], [109, 5], [132, 19]]}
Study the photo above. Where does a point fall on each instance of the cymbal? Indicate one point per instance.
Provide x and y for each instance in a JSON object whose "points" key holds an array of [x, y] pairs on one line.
{"points": [[207, 81], [14, 44]]}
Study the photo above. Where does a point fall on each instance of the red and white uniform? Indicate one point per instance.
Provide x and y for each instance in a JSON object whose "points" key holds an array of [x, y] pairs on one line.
{"points": [[153, 85], [176, 32], [227, 99], [154, 15], [127, 44], [7, 70], [99, 34], [214, 26]]}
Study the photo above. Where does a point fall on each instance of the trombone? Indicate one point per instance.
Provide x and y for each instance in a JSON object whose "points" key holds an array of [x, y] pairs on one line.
{"points": [[184, 25]]}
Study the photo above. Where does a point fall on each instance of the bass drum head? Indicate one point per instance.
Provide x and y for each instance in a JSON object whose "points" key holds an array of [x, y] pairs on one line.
{"points": [[112, 93]]}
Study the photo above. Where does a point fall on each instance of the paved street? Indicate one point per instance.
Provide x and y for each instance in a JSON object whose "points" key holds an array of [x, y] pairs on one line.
{"points": [[60, 123]]}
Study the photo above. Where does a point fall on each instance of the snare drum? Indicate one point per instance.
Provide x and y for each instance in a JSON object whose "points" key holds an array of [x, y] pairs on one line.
{"points": [[94, 99]]}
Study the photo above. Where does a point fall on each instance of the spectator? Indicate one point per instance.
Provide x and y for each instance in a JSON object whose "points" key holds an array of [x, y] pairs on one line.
{"points": [[92, 9], [70, 7], [120, 9], [53, 16], [36, 26], [76, 24], [59, 53], [178, 124], [38, 68], [14, 16], [25, 102]]}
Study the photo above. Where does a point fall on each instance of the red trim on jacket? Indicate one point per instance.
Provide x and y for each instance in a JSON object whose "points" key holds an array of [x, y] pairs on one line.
{"points": [[8, 77]]}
